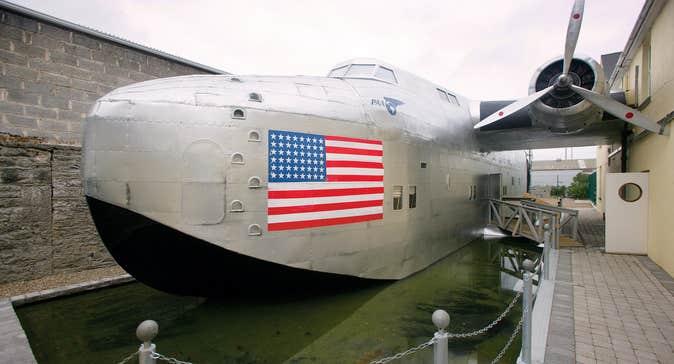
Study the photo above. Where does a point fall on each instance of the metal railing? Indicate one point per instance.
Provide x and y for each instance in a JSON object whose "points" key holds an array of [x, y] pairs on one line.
{"points": [[568, 218], [441, 319], [523, 220]]}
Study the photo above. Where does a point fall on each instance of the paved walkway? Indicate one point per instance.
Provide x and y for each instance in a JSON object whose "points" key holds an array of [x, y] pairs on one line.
{"points": [[591, 227], [14, 346], [622, 311]]}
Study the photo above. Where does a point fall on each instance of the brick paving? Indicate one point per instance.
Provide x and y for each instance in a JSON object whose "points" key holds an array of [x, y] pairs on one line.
{"points": [[591, 227]]}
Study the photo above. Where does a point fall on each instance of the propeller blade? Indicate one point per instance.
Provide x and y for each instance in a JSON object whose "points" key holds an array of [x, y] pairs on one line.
{"points": [[572, 32], [512, 108], [619, 110]]}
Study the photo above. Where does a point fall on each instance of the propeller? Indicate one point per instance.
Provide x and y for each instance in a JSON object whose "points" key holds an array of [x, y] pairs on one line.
{"points": [[565, 82]]}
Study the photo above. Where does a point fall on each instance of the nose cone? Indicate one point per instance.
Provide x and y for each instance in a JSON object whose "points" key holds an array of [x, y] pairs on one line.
{"points": [[144, 142]]}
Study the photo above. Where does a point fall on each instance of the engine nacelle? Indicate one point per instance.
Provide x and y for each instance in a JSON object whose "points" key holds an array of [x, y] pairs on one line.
{"points": [[562, 110]]}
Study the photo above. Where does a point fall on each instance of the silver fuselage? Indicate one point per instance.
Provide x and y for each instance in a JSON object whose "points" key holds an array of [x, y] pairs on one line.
{"points": [[179, 152]]}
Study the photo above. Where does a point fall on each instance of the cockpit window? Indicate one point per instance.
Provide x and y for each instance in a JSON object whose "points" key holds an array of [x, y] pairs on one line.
{"points": [[447, 97], [360, 70], [443, 94], [367, 71], [338, 72], [385, 74]]}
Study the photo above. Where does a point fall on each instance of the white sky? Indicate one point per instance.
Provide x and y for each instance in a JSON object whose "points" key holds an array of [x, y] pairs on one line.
{"points": [[483, 49]]}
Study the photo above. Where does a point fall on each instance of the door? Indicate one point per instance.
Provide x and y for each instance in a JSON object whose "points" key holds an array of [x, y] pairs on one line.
{"points": [[626, 213]]}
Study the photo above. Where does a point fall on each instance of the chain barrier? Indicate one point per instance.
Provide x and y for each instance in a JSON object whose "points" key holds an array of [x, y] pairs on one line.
{"points": [[404, 353], [129, 357], [156, 355], [461, 335], [491, 325], [510, 341]]}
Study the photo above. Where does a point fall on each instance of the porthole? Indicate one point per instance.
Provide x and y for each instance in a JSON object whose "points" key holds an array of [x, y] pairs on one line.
{"points": [[254, 182], [236, 206], [237, 158], [254, 97], [253, 136], [238, 114], [630, 192], [254, 230]]}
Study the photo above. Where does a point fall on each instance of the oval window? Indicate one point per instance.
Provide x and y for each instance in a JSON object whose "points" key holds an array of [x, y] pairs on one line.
{"points": [[630, 192]]}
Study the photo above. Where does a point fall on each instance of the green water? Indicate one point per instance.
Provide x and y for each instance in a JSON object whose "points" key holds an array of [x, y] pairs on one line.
{"points": [[350, 326]]}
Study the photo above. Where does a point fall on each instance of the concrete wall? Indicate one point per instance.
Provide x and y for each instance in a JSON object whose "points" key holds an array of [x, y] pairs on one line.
{"points": [[655, 153], [50, 76]]}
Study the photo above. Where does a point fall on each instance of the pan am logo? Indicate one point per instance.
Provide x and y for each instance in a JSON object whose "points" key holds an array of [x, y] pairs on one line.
{"points": [[391, 104]]}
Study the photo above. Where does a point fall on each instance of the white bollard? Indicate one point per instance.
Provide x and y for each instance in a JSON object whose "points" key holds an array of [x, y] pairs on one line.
{"points": [[440, 349], [146, 331], [527, 305]]}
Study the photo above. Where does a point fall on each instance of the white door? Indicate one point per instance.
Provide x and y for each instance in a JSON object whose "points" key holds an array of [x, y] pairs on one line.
{"points": [[626, 212]]}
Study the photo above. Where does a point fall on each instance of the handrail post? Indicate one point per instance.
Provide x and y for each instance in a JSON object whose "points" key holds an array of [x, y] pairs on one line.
{"points": [[575, 226], [440, 348], [555, 232], [146, 331], [527, 304], [546, 251]]}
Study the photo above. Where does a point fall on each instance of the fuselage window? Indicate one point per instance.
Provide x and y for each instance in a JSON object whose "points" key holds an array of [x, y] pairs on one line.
{"points": [[413, 197], [385, 74], [397, 197], [360, 70], [338, 72]]}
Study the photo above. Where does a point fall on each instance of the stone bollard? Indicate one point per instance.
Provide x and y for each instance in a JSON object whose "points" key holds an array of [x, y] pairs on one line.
{"points": [[440, 349], [146, 331], [527, 305], [546, 251]]}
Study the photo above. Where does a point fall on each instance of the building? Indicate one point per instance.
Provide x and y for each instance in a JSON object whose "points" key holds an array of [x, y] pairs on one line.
{"points": [[559, 172], [51, 73], [645, 72]]}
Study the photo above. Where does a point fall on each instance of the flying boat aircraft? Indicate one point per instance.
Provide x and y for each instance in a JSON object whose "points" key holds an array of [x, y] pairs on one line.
{"points": [[206, 184]]}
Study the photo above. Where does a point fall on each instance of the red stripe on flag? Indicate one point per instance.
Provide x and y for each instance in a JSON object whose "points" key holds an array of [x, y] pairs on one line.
{"points": [[353, 178], [324, 193], [323, 222], [323, 207], [341, 150], [354, 164], [347, 139]]}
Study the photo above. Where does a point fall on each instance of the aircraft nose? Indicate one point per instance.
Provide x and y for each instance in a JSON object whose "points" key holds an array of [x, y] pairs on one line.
{"points": [[151, 148]]}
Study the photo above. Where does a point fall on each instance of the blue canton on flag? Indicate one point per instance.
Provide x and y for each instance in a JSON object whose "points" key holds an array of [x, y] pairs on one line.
{"points": [[296, 157]]}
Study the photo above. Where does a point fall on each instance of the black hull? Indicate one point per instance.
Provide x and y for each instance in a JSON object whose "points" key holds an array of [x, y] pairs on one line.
{"points": [[174, 262]]}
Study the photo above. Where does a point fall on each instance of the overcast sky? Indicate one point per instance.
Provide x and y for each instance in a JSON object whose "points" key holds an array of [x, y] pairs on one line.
{"points": [[483, 49]]}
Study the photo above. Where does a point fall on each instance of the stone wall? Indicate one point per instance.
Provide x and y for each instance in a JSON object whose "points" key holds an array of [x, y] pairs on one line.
{"points": [[50, 76]]}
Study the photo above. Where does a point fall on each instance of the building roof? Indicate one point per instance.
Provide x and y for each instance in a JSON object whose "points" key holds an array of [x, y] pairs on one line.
{"points": [[105, 36], [564, 164], [649, 13]]}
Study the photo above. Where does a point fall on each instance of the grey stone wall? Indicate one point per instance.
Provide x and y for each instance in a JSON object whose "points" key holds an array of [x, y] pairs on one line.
{"points": [[49, 78]]}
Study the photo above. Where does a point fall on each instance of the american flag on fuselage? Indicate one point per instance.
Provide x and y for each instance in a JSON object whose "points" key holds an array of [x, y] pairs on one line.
{"points": [[321, 180]]}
